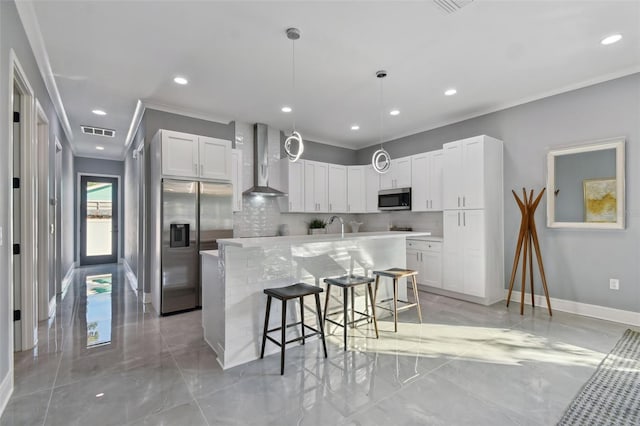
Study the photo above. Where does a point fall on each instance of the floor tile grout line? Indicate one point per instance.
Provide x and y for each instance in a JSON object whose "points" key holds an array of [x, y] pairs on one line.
{"points": [[183, 379]]}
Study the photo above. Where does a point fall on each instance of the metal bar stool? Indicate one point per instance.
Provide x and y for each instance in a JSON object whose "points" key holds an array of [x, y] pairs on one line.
{"points": [[349, 282], [294, 291], [396, 274]]}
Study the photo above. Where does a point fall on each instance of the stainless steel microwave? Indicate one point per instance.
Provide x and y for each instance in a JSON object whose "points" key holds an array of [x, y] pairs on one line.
{"points": [[394, 199]]}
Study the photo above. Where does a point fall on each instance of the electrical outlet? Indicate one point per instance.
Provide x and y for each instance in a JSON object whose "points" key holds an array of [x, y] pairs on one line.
{"points": [[614, 284]]}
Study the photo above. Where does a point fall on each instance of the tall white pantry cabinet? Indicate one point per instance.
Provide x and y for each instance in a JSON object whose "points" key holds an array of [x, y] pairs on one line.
{"points": [[473, 217]]}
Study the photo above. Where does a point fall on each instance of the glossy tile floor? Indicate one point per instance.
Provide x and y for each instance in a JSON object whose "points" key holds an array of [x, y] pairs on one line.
{"points": [[105, 361]]}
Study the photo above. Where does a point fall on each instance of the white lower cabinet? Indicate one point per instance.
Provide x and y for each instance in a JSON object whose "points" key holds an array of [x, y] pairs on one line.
{"points": [[425, 256], [464, 255]]}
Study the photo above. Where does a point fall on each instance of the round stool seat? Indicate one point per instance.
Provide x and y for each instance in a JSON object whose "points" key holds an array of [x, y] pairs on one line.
{"points": [[293, 291]]}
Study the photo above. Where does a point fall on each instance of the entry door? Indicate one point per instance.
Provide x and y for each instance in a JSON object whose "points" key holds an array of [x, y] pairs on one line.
{"points": [[98, 220]]}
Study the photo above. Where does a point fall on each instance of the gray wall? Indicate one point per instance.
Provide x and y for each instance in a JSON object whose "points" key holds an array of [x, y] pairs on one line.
{"points": [[571, 171], [316, 151], [95, 166], [12, 36], [578, 263]]}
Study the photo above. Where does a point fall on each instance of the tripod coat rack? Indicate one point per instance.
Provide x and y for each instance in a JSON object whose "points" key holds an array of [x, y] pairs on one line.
{"points": [[527, 241]]}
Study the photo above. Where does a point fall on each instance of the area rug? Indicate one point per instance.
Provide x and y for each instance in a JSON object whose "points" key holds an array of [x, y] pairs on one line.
{"points": [[612, 394]]}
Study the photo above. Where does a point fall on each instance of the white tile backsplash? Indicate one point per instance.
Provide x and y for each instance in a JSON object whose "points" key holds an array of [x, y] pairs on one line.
{"points": [[260, 216]]}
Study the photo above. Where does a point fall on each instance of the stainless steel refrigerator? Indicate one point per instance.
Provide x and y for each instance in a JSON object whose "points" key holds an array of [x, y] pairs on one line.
{"points": [[194, 215]]}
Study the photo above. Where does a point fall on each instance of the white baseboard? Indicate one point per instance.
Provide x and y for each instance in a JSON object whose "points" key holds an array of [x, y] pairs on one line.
{"points": [[146, 297], [6, 389], [68, 278], [595, 311], [131, 277]]}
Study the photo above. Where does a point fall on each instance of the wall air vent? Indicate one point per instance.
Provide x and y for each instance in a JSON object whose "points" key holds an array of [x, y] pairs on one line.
{"points": [[450, 6], [98, 131]]}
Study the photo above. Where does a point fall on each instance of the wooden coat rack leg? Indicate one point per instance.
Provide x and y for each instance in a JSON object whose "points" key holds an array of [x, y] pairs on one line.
{"points": [[527, 243]]}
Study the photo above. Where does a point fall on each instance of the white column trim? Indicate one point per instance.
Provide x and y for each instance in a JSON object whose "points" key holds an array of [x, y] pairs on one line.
{"points": [[6, 389]]}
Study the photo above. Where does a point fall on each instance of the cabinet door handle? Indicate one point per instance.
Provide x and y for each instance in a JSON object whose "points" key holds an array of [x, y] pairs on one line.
{"points": [[421, 258], [458, 218], [417, 259], [330, 208], [458, 201], [464, 218], [464, 201]]}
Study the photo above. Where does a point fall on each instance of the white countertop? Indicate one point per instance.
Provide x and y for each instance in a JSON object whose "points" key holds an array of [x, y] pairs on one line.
{"points": [[303, 239]]}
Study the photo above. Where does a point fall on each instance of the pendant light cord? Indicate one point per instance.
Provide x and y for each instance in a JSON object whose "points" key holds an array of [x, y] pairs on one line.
{"points": [[381, 111], [293, 81]]}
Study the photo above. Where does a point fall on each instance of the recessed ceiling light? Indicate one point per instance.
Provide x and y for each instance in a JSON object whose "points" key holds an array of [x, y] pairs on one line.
{"points": [[99, 112], [100, 148], [613, 38], [181, 80], [286, 109], [450, 92], [355, 127], [394, 112]]}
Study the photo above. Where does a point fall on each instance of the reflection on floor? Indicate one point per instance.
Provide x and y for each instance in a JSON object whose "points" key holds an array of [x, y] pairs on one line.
{"points": [[105, 361]]}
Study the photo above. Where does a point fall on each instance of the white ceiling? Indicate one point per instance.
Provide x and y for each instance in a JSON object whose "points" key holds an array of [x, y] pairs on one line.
{"points": [[108, 54]]}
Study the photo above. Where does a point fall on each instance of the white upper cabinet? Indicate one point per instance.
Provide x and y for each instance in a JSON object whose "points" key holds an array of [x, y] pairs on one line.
{"points": [[179, 154], [372, 187], [472, 173], [435, 180], [293, 184], [426, 181], [420, 182], [399, 174], [337, 188], [187, 155], [215, 158], [315, 187], [356, 189], [236, 179]]}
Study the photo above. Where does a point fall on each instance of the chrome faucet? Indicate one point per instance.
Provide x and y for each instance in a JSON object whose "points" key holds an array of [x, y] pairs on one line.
{"points": [[332, 218]]}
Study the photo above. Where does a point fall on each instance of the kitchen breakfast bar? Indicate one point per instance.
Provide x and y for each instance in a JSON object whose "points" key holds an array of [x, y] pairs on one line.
{"points": [[234, 277]]}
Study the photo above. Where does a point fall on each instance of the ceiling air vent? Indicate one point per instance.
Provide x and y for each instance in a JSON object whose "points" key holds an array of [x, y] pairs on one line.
{"points": [[450, 6], [98, 131]]}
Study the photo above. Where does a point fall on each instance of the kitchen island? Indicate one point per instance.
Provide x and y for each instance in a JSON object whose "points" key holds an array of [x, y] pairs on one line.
{"points": [[234, 277]]}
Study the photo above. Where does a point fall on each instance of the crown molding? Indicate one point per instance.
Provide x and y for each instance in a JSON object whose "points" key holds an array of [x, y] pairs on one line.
{"points": [[32, 29], [500, 107]]}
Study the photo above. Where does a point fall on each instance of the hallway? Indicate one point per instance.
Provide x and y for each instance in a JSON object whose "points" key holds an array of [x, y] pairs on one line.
{"points": [[466, 364]]}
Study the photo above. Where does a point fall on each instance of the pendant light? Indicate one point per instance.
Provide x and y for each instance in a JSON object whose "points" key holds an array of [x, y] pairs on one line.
{"points": [[381, 160], [294, 138]]}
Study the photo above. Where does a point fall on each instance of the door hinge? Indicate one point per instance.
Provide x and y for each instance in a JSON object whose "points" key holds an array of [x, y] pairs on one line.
{"points": [[16, 117], [17, 315], [16, 183], [16, 249]]}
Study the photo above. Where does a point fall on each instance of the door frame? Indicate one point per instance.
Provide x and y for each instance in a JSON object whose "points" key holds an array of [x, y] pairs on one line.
{"points": [[78, 210], [44, 235], [28, 178]]}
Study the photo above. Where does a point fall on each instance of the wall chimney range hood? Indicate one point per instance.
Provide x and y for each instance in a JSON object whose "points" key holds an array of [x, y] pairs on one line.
{"points": [[261, 164]]}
